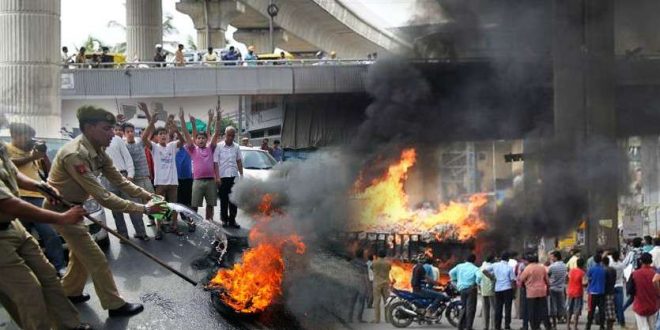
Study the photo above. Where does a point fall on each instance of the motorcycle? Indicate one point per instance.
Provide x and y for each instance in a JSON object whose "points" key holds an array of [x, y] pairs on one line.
{"points": [[404, 307]]}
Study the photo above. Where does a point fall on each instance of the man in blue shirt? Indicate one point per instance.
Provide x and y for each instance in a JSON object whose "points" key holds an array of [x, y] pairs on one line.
{"points": [[505, 282], [465, 277], [596, 290], [184, 189]]}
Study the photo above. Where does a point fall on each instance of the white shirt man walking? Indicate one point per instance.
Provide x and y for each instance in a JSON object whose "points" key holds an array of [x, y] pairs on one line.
{"points": [[229, 164]]}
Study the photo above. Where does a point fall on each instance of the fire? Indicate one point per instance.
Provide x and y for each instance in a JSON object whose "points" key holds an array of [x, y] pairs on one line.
{"points": [[401, 274], [255, 283], [384, 207]]}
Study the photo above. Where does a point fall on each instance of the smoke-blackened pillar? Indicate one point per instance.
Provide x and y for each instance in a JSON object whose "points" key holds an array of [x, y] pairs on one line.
{"points": [[584, 110], [144, 28], [29, 63]]}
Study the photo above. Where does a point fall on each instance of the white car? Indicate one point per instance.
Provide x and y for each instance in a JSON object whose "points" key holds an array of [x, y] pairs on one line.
{"points": [[257, 163]]}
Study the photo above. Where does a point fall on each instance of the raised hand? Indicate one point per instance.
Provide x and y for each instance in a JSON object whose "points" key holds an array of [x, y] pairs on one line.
{"points": [[181, 113]]}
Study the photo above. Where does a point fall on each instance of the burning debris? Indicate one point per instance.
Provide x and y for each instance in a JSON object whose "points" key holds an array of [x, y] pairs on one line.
{"points": [[383, 206], [255, 283]]}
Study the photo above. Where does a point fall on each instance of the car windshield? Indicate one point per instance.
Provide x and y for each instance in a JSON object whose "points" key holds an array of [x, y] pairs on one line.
{"points": [[257, 160]]}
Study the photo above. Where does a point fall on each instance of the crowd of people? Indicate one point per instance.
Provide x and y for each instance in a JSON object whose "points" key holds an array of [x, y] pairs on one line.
{"points": [[557, 291], [227, 57]]}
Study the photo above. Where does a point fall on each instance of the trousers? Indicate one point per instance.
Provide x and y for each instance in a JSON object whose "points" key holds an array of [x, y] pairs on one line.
{"points": [[29, 288], [503, 303]]}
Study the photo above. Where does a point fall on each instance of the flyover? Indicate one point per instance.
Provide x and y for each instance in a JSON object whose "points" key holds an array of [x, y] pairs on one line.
{"points": [[301, 26]]}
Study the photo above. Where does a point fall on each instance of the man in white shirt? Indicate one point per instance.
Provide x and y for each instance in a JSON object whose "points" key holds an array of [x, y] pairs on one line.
{"points": [[655, 252], [123, 161], [229, 164], [210, 58]]}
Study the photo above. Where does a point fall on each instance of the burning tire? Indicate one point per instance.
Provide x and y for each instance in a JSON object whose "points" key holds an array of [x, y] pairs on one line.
{"points": [[399, 315], [453, 313]]}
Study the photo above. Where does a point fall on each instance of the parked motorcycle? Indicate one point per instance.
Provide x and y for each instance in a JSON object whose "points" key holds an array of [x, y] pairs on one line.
{"points": [[405, 307]]}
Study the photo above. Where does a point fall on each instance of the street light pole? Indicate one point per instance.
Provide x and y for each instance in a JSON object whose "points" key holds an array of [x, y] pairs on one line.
{"points": [[270, 28]]}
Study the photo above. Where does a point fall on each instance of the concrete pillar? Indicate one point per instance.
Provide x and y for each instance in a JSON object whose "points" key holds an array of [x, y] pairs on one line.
{"points": [[260, 38], [584, 109], [214, 15], [144, 28], [29, 64]]}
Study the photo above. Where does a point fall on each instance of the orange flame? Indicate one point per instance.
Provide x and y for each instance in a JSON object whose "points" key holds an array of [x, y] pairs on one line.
{"points": [[401, 274], [384, 207], [255, 283]]}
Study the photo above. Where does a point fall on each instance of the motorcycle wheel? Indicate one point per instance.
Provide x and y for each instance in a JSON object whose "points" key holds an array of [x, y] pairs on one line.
{"points": [[453, 314], [398, 317]]}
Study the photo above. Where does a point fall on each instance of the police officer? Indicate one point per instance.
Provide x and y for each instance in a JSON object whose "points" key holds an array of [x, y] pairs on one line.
{"points": [[30, 290], [74, 173]]}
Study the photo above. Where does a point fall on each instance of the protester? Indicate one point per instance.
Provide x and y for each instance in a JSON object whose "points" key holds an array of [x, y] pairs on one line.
{"points": [[370, 273], [487, 292], [596, 289], [505, 283], [277, 152], [184, 190], [136, 149], [535, 281], [648, 244], [266, 147], [655, 252], [210, 58], [123, 162], [245, 142], [575, 292], [201, 151], [572, 261], [645, 303], [381, 268], [166, 179], [179, 59], [617, 264], [610, 282], [465, 277], [228, 163], [557, 274], [632, 263]]}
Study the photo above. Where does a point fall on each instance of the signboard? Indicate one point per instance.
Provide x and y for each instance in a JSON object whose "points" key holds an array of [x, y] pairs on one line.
{"points": [[568, 241], [67, 81], [633, 226]]}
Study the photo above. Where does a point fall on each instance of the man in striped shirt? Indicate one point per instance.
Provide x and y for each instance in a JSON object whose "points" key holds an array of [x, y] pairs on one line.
{"points": [[141, 168], [557, 273]]}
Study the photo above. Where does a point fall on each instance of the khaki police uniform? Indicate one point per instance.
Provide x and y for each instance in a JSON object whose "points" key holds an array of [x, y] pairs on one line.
{"points": [[29, 287], [74, 173]]}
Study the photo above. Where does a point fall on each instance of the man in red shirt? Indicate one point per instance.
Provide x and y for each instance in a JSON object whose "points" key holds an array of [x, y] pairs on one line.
{"points": [[535, 281], [575, 292], [645, 304]]}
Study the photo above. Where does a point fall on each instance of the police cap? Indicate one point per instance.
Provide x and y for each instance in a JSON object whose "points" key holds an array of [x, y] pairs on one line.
{"points": [[89, 114]]}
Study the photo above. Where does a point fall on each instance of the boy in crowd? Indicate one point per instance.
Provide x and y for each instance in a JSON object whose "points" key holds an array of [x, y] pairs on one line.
{"points": [[201, 151], [136, 149], [164, 156], [575, 292]]}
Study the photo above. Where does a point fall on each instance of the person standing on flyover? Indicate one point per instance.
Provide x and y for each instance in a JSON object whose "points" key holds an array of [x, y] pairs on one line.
{"points": [[73, 174], [29, 288]]}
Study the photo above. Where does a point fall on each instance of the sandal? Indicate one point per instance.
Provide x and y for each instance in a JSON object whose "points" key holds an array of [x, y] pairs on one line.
{"points": [[144, 238], [176, 231], [159, 236]]}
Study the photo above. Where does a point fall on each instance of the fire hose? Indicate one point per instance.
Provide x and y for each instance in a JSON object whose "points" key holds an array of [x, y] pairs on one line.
{"points": [[46, 190]]}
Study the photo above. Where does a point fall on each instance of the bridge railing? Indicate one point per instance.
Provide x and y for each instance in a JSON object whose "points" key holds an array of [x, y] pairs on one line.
{"points": [[200, 80], [239, 63]]}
